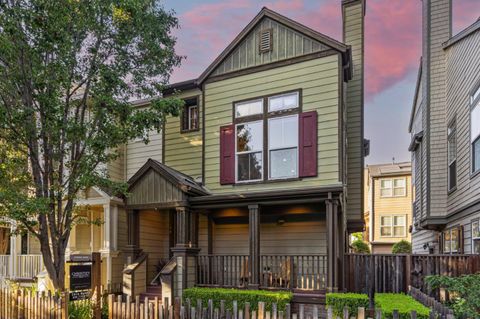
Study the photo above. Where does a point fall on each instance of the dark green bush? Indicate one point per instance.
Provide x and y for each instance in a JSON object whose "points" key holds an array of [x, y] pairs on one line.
{"points": [[338, 301], [80, 309], [387, 302], [403, 303], [281, 298], [402, 247], [464, 293], [360, 247]]}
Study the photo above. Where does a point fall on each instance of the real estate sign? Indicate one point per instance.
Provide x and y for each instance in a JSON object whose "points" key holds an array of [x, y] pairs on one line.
{"points": [[80, 277]]}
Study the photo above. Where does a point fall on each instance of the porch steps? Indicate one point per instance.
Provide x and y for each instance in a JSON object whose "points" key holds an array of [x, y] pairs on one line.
{"points": [[152, 292]]}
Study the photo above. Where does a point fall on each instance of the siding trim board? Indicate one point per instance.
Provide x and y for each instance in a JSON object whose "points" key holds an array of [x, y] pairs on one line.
{"points": [[268, 66]]}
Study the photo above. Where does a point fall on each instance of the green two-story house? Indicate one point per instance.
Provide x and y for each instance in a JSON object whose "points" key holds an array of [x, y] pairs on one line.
{"points": [[259, 181]]}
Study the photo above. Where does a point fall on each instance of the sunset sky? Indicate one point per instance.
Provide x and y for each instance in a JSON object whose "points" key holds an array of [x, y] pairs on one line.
{"points": [[392, 51]]}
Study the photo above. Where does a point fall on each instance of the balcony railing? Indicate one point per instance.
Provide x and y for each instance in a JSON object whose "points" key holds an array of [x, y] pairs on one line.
{"points": [[21, 267], [289, 272]]}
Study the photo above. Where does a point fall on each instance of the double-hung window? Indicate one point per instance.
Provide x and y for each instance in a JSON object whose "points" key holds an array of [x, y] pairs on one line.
{"points": [[452, 155], [190, 115], [275, 156], [395, 187], [393, 226], [452, 240], [476, 237], [475, 129]]}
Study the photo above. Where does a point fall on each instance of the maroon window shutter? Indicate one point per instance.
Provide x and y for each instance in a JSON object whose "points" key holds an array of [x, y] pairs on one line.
{"points": [[307, 144], [227, 155]]}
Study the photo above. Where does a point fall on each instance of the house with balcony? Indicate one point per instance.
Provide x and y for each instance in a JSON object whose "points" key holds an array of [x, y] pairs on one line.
{"points": [[445, 131], [387, 205]]}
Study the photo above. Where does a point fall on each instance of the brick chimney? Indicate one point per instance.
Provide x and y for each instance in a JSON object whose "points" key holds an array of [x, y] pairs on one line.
{"points": [[353, 13]]}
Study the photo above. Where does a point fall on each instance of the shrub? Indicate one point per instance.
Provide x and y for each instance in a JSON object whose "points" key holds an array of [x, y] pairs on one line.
{"points": [[403, 303], [464, 293], [360, 247], [387, 302], [402, 247], [281, 298], [80, 309], [338, 301]]}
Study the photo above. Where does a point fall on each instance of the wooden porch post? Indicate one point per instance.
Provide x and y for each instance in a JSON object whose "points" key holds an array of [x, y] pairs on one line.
{"points": [[185, 251], [254, 245], [332, 239], [133, 221]]}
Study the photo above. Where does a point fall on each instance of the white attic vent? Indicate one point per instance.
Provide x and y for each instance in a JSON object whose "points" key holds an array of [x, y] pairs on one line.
{"points": [[265, 40]]}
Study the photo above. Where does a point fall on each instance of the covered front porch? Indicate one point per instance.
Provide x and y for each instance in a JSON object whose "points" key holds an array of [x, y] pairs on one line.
{"points": [[178, 232], [292, 247]]}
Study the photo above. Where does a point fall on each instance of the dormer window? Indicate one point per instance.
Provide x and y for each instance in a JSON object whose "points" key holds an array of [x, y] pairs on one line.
{"points": [[190, 115], [265, 44]]}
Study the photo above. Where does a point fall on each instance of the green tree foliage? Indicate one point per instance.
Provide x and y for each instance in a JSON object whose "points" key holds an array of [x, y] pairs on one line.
{"points": [[402, 247], [464, 293], [360, 247], [68, 70], [357, 236]]}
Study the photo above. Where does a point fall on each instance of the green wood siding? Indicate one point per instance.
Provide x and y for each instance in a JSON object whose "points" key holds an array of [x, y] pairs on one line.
{"points": [[318, 80], [183, 151], [353, 35], [286, 44]]}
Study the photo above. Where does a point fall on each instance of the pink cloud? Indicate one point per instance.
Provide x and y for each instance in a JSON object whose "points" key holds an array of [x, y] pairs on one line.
{"points": [[392, 32]]}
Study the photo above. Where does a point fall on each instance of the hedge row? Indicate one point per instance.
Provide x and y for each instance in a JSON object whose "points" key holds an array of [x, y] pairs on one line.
{"points": [[387, 302], [281, 298]]}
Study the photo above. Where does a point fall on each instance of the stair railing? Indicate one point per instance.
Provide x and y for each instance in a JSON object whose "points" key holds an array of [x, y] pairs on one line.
{"points": [[165, 276], [135, 277]]}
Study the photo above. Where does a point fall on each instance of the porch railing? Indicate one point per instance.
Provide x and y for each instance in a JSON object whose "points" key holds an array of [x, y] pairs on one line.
{"points": [[302, 272], [222, 270], [4, 266], [21, 267], [28, 266]]}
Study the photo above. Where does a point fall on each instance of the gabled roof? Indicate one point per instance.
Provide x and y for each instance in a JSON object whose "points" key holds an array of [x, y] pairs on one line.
{"points": [[265, 12], [463, 34], [184, 182]]}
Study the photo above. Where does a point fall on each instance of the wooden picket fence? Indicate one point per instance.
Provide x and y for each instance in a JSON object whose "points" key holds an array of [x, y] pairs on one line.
{"points": [[155, 309], [430, 302], [16, 304]]}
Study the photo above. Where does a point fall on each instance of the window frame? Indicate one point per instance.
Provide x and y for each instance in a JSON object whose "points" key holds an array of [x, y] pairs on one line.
{"points": [[449, 231], [474, 238], [249, 152], [265, 116], [393, 225], [474, 99], [289, 147], [185, 116], [452, 135], [392, 188]]}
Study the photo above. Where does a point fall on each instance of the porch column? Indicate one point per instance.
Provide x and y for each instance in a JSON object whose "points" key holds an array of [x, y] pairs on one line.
{"points": [[254, 245], [106, 228], [185, 251], [132, 249], [332, 242], [13, 251]]}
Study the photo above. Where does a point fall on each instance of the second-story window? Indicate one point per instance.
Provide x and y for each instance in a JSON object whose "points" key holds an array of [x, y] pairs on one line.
{"points": [[393, 226], [274, 156], [475, 129], [190, 115], [452, 155], [395, 187], [452, 240]]}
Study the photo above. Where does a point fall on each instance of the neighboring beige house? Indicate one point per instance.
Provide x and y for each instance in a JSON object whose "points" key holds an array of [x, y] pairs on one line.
{"points": [[445, 133], [387, 205]]}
